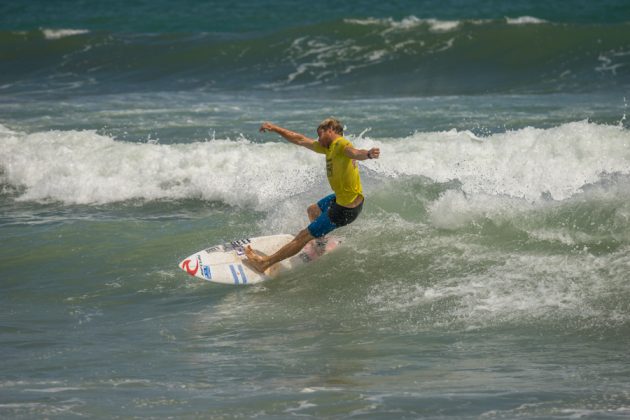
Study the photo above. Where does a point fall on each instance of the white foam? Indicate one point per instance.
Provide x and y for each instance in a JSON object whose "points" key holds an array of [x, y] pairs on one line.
{"points": [[438, 25], [53, 390], [83, 167], [612, 61], [531, 165], [317, 58], [519, 286], [525, 20], [409, 22], [443, 25], [302, 405], [454, 209], [62, 33]]}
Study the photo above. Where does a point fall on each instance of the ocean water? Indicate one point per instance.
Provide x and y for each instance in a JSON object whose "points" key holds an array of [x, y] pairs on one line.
{"points": [[487, 276]]}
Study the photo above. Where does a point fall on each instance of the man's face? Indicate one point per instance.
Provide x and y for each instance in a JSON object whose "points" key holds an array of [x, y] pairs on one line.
{"points": [[325, 137]]}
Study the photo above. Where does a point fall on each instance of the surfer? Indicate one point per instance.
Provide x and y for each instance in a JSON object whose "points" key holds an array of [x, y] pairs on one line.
{"points": [[335, 210]]}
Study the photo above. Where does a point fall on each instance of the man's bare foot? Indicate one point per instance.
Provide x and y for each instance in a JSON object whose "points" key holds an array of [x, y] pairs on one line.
{"points": [[257, 262]]}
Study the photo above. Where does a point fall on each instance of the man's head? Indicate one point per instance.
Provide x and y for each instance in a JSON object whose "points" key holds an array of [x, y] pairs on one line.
{"points": [[329, 130]]}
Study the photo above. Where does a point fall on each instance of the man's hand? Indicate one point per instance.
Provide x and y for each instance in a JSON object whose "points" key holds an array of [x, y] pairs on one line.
{"points": [[267, 126], [362, 154], [373, 153]]}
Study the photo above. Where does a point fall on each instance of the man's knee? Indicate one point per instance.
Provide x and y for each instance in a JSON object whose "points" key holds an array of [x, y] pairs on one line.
{"points": [[304, 236], [313, 212]]}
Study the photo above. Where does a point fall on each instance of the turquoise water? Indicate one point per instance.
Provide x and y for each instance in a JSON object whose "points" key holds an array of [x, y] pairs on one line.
{"points": [[486, 277]]}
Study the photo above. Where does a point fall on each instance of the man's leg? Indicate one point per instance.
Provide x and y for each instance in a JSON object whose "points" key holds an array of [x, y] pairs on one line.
{"points": [[262, 262], [320, 225]]}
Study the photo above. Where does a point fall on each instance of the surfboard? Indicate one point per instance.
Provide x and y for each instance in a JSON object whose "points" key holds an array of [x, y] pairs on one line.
{"points": [[226, 263]]}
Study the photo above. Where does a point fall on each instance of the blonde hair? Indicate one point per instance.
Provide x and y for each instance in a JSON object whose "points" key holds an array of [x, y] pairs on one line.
{"points": [[333, 123]]}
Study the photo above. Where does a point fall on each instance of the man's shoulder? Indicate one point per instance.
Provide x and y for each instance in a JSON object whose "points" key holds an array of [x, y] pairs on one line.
{"points": [[341, 143], [318, 148]]}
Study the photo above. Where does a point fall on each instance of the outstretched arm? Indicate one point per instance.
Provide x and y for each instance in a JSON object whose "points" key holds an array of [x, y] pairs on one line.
{"points": [[292, 136], [362, 154]]}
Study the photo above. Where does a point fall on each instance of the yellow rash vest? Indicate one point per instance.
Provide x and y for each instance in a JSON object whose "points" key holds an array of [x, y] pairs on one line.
{"points": [[342, 172]]}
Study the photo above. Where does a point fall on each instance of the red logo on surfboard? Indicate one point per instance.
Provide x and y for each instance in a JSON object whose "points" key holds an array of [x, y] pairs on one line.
{"points": [[191, 271]]}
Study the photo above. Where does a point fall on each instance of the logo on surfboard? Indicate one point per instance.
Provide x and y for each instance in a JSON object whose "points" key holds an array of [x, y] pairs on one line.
{"points": [[191, 271]]}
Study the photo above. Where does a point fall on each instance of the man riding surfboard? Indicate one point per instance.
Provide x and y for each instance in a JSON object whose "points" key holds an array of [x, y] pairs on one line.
{"points": [[335, 210]]}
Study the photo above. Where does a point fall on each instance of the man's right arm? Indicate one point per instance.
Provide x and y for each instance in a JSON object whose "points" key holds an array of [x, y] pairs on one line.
{"points": [[292, 136]]}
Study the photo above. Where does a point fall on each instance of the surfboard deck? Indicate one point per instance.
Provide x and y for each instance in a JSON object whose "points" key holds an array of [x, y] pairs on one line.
{"points": [[226, 263]]}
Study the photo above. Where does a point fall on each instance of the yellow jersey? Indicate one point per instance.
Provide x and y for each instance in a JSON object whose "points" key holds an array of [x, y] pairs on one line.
{"points": [[342, 172]]}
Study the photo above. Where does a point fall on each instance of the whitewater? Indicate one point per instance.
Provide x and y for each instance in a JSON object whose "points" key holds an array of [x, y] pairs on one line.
{"points": [[84, 167]]}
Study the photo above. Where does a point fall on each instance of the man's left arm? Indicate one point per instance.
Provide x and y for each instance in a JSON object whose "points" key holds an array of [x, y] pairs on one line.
{"points": [[361, 154]]}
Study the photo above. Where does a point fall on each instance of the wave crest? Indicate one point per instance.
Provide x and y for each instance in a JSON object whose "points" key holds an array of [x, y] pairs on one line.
{"points": [[86, 167]]}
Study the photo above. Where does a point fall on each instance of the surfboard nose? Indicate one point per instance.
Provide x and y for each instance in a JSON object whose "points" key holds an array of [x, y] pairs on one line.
{"points": [[189, 266]]}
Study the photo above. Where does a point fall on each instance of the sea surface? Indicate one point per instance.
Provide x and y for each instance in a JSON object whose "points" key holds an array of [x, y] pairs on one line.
{"points": [[487, 277]]}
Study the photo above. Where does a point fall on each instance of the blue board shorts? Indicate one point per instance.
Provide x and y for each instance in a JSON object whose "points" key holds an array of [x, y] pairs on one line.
{"points": [[333, 216]]}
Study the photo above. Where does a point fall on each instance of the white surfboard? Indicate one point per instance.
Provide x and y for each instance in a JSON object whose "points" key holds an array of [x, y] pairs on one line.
{"points": [[224, 263]]}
